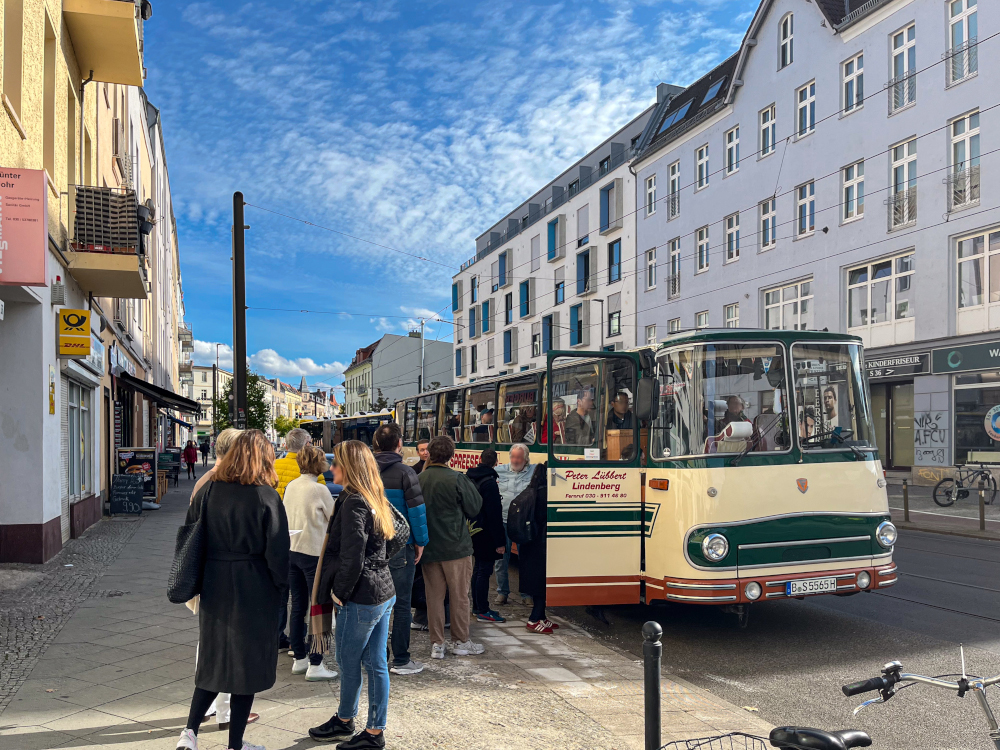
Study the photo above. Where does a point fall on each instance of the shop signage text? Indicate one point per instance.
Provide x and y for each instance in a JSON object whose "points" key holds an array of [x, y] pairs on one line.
{"points": [[23, 227], [74, 333], [904, 364], [966, 358]]}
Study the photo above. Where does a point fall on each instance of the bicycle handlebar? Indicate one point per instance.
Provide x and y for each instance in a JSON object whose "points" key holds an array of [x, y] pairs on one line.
{"points": [[887, 681], [866, 686]]}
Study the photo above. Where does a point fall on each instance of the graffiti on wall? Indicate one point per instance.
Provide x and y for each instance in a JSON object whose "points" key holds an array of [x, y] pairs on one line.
{"points": [[930, 438]]}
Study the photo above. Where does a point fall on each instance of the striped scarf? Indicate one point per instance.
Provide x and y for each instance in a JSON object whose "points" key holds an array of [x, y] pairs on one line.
{"points": [[321, 609]]}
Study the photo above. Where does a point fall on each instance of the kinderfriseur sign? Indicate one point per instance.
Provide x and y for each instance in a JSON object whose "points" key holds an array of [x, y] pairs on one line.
{"points": [[901, 364], [965, 358]]}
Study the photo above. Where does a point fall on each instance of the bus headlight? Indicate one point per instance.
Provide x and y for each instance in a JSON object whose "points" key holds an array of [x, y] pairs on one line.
{"points": [[864, 580], [886, 534], [752, 590], [715, 547]]}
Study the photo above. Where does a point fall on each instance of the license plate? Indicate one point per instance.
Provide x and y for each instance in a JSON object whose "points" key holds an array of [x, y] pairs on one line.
{"points": [[810, 586]]}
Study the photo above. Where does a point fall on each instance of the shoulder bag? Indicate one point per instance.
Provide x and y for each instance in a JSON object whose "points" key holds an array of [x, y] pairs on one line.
{"points": [[188, 568]]}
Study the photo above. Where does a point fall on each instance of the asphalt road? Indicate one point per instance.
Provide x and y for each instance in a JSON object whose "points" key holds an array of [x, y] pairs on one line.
{"points": [[793, 657]]}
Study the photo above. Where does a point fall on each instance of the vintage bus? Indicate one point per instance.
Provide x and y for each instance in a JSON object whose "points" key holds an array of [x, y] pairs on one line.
{"points": [[723, 467], [326, 433]]}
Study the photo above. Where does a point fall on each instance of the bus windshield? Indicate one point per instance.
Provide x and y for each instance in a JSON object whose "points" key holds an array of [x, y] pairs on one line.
{"points": [[832, 406], [721, 398]]}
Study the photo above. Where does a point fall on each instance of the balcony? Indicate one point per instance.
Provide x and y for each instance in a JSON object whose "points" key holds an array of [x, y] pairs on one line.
{"points": [[673, 286], [902, 207], [186, 338], [962, 61], [902, 92], [106, 252], [673, 206], [107, 38], [963, 188]]}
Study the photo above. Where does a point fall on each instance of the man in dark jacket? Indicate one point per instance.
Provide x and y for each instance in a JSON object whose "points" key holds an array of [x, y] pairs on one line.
{"points": [[452, 500], [489, 541], [402, 488]]}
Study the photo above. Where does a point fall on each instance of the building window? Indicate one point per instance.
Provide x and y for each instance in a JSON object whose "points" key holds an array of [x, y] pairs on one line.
{"points": [[576, 325], [651, 335], [510, 346], [204, 395], [854, 191], [805, 209], [880, 292], [560, 285], [614, 323], [674, 281], [732, 315], [674, 325], [508, 308], [963, 181], [651, 268], [605, 166], [553, 249], [487, 316], [732, 237], [547, 330], [610, 208], [13, 56], [651, 195], [805, 99], [854, 83], [574, 188], [786, 41], [458, 363], [474, 289], [733, 150], [701, 166], [473, 330], [204, 377], [536, 344], [583, 272], [789, 307], [490, 354], [473, 359], [524, 292], [963, 55], [701, 319], [768, 225], [903, 86], [583, 225], [536, 252], [703, 249], [456, 296], [768, 133], [903, 199], [502, 260], [976, 278], [614, 261], [674, 198]]}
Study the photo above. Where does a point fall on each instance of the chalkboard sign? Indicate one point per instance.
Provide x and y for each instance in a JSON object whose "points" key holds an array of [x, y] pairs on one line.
{"points": [[126, 494], [141, 462]]}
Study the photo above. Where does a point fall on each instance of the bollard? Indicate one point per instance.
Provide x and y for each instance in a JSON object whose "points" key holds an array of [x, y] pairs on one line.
{"points": [[906, 501], [652, 650], [982, 506]]}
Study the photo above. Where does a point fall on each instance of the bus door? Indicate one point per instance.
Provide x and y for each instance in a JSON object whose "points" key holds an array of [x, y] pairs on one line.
{"points": [[594, 537]]}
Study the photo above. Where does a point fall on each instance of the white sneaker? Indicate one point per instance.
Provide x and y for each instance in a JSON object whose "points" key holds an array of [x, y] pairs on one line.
{"points": [[248, 746], [300, 666], [319, 672], [437, 651], [469, 648], [188, 740], [411, 667]]}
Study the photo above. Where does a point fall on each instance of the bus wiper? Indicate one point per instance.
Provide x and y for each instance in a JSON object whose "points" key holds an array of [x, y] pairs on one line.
{"points": [[860, 454]]}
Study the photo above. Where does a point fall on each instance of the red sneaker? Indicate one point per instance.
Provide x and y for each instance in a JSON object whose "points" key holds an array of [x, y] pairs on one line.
{"points": [[542, 626], [553, 625]]}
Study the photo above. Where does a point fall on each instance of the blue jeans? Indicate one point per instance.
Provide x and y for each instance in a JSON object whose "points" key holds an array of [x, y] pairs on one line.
{"points": [[402, 568], [362, 632], [503, 579]]}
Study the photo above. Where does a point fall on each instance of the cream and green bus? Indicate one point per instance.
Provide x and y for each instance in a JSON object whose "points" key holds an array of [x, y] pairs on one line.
{"points": [[723, 467]]}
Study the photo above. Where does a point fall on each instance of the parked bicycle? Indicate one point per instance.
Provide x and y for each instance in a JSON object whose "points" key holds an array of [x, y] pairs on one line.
{"points": [[966, 482], [786, 738]]}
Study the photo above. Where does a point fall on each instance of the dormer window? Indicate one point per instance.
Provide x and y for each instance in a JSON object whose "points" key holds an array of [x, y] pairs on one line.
{"points": [[605, 166], [786, 51]]}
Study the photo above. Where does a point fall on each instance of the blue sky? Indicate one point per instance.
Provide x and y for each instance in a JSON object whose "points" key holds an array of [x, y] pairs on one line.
{"points": [[414, 125]]}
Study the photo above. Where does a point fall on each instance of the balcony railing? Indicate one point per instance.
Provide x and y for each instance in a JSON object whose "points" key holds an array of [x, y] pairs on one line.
{"points": [[186, 338], [673, 205], [902, 91], [902, 208], [962, 61], [673, 286], [963, 188]]}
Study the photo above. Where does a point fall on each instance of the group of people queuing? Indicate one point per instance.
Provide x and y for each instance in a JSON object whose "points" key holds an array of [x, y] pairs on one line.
{"points": [[327, 540]]}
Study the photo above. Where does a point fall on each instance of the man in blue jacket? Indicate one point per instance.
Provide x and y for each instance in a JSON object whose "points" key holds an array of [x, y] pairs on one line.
{"points": [[402, 488]]}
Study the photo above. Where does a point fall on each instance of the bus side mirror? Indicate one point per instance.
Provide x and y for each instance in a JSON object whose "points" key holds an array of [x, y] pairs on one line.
{"points": [[647, 398]]}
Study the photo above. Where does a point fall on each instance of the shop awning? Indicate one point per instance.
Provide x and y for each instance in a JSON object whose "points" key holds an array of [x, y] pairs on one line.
{"points": [[161, 396], [181, 422]]}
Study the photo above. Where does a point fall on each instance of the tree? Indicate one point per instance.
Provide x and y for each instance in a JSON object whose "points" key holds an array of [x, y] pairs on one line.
{"points": [[258, 406], [283, 425], [434, 385], [382, 402]]}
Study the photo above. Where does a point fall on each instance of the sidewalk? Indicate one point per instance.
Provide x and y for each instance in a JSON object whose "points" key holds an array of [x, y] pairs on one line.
{"points": [[119, 676]]}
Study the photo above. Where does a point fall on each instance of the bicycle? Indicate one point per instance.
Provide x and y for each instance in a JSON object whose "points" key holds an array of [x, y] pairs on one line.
{"points": [[949, 489], [892, 675], [786, 738]]}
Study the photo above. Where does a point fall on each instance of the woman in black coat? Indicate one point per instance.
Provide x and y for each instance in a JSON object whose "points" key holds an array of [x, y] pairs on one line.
{"points": [[245, 574], [531, 557], [489, 541]]}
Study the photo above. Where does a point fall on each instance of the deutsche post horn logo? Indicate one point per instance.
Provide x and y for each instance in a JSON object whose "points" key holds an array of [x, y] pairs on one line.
{"points": [[803, 485], [74, 321]]}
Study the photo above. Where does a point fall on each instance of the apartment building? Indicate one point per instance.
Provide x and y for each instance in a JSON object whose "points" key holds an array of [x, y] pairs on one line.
{"points": [[390, 369], [828, 176], [89, 268], [558, 271], [203, 391]]}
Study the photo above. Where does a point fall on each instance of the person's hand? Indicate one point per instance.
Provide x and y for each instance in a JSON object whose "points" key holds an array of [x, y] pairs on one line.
{"points": [[336, 601], [420, 552], [501, 550]]}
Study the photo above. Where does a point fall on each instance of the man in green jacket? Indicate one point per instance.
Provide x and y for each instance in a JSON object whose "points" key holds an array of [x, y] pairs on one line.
{"points": [[451, 499]]}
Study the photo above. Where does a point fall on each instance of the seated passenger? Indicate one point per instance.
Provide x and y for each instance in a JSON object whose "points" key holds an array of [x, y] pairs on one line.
{"points": [[559, 417], [580, 425], [734, 411], [620, 416], [483, 432]]}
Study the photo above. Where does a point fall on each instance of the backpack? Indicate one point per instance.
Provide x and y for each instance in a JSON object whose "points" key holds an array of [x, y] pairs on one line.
{"points": [[521, 525]]}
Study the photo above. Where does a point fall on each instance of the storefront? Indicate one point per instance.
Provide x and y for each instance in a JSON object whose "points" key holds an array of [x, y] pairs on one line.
{"points": [[891, 379], [975, 371]]}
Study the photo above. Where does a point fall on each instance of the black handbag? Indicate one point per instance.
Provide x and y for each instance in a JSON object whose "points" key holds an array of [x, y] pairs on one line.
{"points": [[402, 535], [188, 568]]}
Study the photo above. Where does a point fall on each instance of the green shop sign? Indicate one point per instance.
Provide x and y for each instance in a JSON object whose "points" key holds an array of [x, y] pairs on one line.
{"points": [[966, 358]]}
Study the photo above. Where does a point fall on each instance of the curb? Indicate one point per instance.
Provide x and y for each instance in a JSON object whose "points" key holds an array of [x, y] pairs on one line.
{"points": [[988, 536]]}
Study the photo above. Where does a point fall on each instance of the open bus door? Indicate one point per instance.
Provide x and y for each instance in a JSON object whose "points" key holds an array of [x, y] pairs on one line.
{"points": [[595, 496]]}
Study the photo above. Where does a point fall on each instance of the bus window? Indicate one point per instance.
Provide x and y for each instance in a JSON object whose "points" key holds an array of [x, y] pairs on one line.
{"points": [[517, 406], [721, 398], [575, 408], [410, 423], [426, 417], [618, 392], [451, 415], [832, 409], [480, 409]]}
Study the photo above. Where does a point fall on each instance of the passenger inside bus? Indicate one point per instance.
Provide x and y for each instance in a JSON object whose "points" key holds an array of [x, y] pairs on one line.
{"points": [[580, 427], [620, 416], [559, 417], [483, 432]]}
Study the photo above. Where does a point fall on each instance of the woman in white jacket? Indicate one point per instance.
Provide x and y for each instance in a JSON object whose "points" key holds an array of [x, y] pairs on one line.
{"points": [[309, 506]]}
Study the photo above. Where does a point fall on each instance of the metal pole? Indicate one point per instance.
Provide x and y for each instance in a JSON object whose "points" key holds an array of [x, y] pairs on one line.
{"points": [[423, 379], [982, 506], [906, 502], [239, 313], [215, 398], [652, 651]]}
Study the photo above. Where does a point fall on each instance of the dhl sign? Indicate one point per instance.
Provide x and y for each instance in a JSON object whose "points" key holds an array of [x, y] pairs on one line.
{"points": [[74, 333]]}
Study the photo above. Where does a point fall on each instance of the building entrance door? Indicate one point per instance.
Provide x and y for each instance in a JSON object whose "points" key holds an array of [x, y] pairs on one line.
{"points": [[892, 407]]}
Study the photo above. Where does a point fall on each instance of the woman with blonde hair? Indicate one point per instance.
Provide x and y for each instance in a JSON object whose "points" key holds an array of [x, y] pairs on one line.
{"points": [[354, 575], [243, 582], [222, 445]]}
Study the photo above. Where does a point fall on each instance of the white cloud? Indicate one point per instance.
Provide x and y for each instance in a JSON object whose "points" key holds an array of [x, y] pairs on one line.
{"points": [[204, 354], [267, 362]]}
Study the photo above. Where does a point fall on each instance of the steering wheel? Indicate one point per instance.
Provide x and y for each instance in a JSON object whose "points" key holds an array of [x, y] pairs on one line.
{"points": [[839, 436]]}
